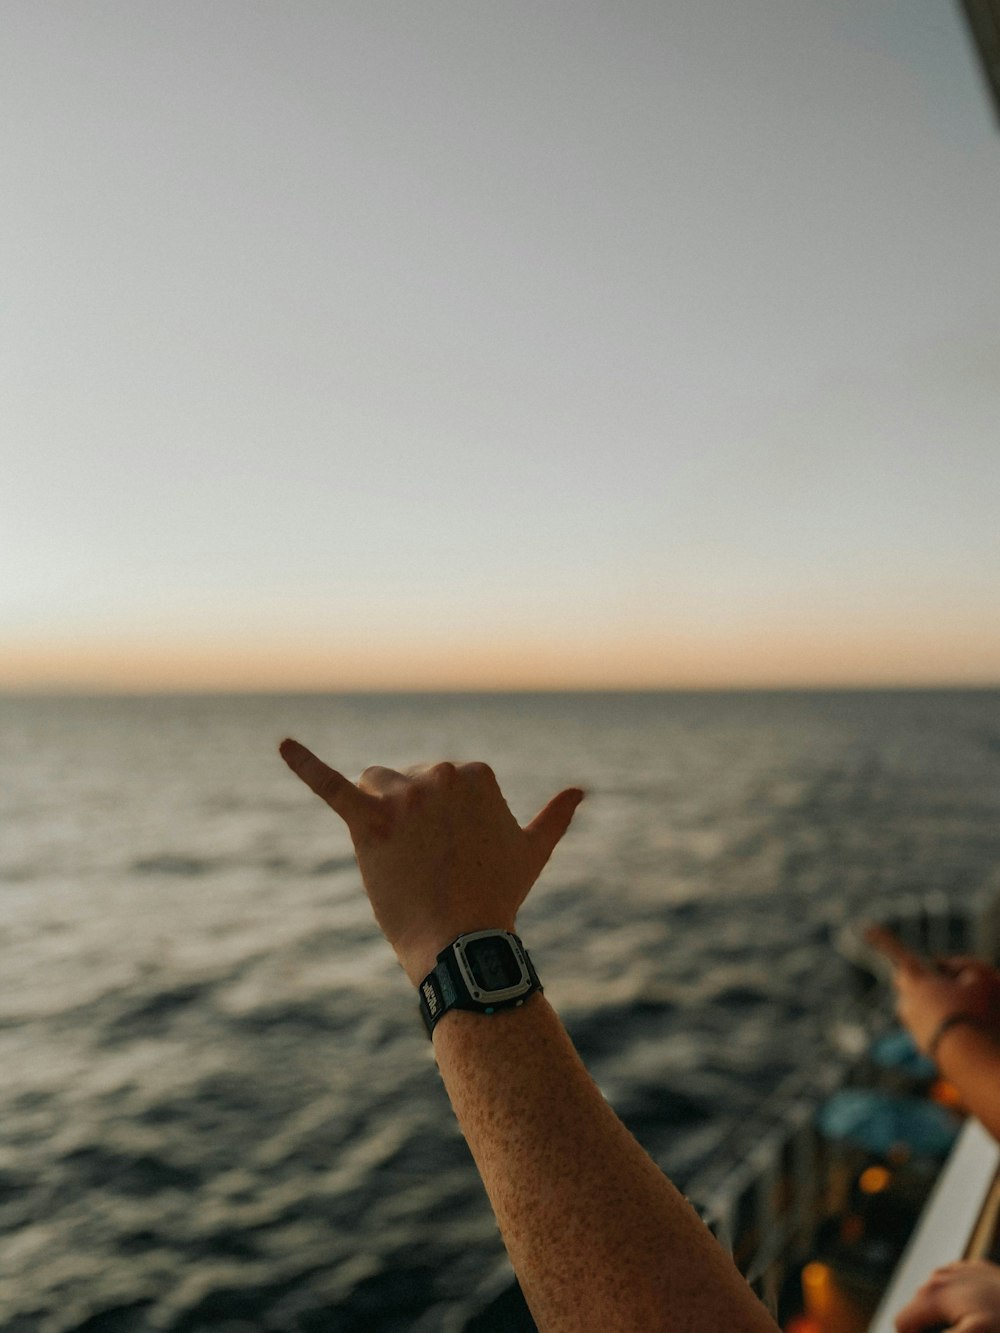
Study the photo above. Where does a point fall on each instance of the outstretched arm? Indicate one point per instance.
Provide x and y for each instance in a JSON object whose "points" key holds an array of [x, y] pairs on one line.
{"points": [[599, 1238], [953, 1013]]}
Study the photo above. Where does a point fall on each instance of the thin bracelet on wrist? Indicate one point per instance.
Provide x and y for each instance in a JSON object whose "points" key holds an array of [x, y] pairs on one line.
{"points": [[946, 1024]]}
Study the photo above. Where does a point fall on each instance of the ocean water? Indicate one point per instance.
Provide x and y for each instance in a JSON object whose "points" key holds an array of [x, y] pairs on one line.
{"points": [[218, 1110]]}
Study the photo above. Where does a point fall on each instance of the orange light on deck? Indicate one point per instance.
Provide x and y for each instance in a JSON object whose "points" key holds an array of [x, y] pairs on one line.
{"points": [[817, 1284], [874, 1179], [946, 1094], [826, 1304], [804, 1323]]}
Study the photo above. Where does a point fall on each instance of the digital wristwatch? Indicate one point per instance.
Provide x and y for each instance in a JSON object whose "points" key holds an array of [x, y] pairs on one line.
{"points": [[484, 971]]}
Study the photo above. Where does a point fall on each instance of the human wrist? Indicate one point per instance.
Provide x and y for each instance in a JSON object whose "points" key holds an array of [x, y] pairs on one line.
{"points": [[485, 1033], [959, 1018], [417, 960], [418, 953], [485, 972]]}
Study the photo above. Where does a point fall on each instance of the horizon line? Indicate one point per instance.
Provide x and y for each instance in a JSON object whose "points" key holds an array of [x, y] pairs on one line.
{"points": [[208, 691]]}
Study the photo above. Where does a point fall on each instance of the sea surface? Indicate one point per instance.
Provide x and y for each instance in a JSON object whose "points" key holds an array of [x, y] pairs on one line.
{"points": [[218, 1110]]}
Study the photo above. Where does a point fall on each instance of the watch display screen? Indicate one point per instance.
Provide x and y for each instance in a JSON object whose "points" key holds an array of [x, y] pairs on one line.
{"points": [[493, 964]]}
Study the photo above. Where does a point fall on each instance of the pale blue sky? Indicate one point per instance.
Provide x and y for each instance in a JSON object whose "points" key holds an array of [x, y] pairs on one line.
{"points": [[409, 328]]}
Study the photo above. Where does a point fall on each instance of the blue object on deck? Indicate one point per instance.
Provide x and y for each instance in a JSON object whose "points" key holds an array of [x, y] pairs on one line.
{"points": [[882, 1121], [899, 1052]]}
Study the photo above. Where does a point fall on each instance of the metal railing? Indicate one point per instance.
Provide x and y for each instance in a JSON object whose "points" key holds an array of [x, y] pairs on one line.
{"points": [[766, 1206]]}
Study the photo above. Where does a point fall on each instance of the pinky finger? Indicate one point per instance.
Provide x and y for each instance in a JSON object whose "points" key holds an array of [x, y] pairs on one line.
{"points": [[354, 806]]}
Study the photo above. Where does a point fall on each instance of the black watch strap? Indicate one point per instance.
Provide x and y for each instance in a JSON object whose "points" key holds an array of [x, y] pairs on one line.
{"points": [[437, 995]]}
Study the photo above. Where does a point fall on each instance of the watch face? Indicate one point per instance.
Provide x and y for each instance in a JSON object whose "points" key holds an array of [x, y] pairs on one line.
{"points": [[493, 964]]}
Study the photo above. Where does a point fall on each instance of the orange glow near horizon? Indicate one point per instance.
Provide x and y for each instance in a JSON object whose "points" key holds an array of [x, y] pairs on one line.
{"points": [[768, 657]]}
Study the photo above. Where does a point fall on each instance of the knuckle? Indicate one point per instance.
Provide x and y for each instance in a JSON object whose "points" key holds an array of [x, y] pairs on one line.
{"points": [[480, 771], [444, 771], [414, 796]]}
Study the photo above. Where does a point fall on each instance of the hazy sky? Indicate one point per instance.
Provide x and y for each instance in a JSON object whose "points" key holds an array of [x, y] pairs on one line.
{"points": [[352, 343]]}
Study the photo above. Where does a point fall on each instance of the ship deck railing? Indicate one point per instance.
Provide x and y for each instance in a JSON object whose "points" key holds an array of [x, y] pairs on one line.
{"points": [[765, 1203]]}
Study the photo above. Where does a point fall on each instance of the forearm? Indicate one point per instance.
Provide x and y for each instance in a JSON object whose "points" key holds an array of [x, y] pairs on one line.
{"points": [[970, 1058], [599, 1238]]}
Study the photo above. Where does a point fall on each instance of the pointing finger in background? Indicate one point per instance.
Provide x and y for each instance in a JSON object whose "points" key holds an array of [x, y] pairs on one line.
{"points": [[893, 948]]}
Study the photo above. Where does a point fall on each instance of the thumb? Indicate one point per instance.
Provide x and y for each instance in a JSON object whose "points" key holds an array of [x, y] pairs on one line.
{"points": [[549, 825]]}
